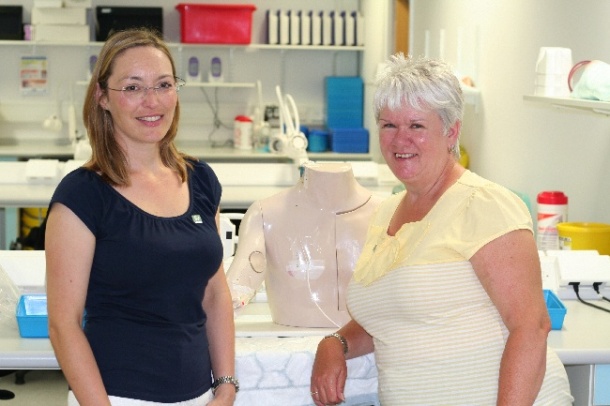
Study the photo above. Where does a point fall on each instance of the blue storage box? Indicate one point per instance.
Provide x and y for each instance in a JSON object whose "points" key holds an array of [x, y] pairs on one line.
{"points": [[557, 310], [32, 317], [354, 140], [344, 101]]}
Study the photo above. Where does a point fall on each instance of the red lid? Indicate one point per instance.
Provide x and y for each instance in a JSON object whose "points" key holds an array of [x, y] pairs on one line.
{"points": [[244, 119], [552, 197]]}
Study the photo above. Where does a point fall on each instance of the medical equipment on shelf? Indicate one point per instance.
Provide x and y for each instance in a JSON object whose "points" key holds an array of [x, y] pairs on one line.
{"points": [[289, 140]]}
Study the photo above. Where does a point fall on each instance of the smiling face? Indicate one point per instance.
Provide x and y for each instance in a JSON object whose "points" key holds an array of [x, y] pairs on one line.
{"points": [[415, 146], [146, 119]]}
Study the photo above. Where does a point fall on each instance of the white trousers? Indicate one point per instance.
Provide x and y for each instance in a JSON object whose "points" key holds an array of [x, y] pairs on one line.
{"points": [[118, 401]]}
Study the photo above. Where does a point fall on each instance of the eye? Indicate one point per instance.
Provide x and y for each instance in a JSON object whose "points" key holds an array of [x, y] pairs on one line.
{"points": [[132, 89], [166, 85]]}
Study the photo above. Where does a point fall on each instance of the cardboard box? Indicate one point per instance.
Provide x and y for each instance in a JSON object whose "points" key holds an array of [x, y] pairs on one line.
{"points": [[48, 3], [114, 18], [78, 3], [60, 33], [11, 22], [67, 16]]}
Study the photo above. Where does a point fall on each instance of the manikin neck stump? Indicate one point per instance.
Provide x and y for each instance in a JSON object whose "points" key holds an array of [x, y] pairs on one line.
{"points": [[332, 187]]}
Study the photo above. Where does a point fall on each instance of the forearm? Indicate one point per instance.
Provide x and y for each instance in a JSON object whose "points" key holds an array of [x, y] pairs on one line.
{"points": [[221, 337], [78, 365], [359, 342], [522, 368]]}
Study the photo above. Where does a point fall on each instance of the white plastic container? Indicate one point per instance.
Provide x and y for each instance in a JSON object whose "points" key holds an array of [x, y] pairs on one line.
{"points": [[242, 133], [552, 209]]}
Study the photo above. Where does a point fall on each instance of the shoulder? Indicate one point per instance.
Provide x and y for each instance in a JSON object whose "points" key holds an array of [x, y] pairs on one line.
{"points": [[202, 170], [486, 196], [204, 180], [80, 181]]}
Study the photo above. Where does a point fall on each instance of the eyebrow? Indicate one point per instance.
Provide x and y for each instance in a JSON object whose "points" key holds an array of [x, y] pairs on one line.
{"points": [[141, 79]]}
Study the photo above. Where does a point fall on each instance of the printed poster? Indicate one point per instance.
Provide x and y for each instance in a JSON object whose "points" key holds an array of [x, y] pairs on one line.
{"points": [[33, 75]]}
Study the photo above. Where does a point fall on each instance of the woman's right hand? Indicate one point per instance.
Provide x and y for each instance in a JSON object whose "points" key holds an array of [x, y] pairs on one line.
{"points": [[329, 373]]}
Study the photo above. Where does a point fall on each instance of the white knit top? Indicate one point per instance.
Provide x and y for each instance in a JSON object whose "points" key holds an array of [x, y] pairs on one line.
{"points": [[438, 337]]}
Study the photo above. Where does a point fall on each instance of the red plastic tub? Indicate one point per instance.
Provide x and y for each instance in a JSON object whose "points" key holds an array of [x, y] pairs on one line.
{"points": [[216, 23]]}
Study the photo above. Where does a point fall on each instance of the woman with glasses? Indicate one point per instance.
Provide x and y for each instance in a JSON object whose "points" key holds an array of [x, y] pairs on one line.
{"points": [[139, 308]]}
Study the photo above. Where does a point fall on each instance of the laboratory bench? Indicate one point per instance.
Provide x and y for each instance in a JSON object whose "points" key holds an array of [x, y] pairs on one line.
{"points": [[274, 361], [12, 150], [242, 184]]}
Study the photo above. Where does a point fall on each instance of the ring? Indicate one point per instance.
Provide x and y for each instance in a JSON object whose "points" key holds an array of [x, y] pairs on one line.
{"points": [[313, 393]]}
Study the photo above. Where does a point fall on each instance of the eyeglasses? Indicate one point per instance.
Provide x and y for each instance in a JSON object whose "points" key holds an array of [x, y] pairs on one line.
{"points": [[136, 92]]}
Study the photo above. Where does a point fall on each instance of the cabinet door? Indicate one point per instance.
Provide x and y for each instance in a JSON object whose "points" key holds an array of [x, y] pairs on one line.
{"points": [[601, 392]]}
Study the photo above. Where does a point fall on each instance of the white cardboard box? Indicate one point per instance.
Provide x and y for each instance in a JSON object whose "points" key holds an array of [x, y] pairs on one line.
{"points": [[48, 3], [60, 33], [78, 3], [66, 16]]}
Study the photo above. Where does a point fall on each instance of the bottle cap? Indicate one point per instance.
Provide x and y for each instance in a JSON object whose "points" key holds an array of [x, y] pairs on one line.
{"points": [[552, 197]]}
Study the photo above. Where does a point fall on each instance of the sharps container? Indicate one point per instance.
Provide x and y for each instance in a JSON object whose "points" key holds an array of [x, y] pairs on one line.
{"points": [[552, 209]]}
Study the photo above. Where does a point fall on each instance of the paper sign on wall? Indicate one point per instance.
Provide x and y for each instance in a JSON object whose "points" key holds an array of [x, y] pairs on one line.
{"points": [[33, 75]]}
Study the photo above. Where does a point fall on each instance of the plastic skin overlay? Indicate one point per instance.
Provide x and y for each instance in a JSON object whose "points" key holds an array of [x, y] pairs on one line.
{"points": [[304, 243]]}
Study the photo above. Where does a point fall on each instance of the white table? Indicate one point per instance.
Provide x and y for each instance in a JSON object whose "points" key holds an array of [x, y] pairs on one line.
{"points": [[273, 362], [278, 368]]}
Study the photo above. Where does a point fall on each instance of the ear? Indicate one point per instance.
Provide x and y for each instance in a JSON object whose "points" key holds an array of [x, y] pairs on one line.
{"points": [[101, 97], [453, 133]]}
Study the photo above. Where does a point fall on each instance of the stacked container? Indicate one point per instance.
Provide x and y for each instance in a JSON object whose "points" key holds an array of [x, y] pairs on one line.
{"points": [[552, 70]]}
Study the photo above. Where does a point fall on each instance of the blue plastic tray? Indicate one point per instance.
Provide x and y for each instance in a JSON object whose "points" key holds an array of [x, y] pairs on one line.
{"points": [[557, 310], [32, 317]]}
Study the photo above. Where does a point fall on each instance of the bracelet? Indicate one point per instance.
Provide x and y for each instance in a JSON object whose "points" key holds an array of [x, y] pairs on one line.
{"points": [[225, 379], [340, 338]]}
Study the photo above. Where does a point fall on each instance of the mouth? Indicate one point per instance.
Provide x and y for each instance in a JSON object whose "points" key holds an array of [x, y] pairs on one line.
{"points": [[404, 156], [150, 119]]}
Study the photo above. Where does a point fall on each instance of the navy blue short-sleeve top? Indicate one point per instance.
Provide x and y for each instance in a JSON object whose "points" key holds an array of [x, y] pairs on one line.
{"points": [[144, 316]]}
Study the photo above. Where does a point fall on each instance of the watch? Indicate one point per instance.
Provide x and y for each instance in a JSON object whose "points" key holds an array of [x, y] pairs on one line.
{"points": [[225, 379]]}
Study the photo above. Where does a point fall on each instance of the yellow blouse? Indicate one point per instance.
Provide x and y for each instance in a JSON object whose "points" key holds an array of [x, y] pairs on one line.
{"points": [[471, 213]]}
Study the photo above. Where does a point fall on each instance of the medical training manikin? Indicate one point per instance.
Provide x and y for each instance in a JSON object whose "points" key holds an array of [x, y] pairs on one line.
{"points": [[304, 243]]}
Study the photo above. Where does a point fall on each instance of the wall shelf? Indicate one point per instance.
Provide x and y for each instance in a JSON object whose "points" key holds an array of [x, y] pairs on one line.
{"points": [[598, 107], [178, 45]]}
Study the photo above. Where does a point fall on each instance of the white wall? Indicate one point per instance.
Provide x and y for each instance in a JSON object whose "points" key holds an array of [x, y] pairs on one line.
{"points": [[300, 73], [525, 146]]}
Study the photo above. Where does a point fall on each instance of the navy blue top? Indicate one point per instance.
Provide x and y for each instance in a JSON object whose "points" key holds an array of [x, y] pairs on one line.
{"points": [[144, 316]]}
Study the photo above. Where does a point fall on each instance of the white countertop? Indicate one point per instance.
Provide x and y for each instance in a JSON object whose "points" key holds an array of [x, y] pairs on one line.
{"points": [[584, 339], [238, 191], [273, 362], [62, 149]]}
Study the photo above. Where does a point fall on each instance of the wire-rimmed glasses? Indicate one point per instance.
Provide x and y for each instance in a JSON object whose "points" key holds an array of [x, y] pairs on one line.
{"points": [[137, 92]]}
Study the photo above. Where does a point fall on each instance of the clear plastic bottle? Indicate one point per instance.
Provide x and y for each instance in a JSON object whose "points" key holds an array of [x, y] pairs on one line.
{"points": [[552, 209]]}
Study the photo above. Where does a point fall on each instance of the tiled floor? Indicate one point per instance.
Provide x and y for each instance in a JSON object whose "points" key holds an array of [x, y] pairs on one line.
{"points": [[41, 388]]}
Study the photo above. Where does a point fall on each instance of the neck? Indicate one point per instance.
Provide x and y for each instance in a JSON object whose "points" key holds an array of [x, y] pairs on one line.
{"points": [[332, 186]]}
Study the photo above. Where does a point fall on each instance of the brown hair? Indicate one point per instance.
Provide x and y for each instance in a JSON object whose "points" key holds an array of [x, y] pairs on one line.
{"points": [[108, 158]]}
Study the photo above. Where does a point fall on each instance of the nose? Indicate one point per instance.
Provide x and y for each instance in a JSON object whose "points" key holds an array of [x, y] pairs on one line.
{"points": [[150, 97], [149, 90]]}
